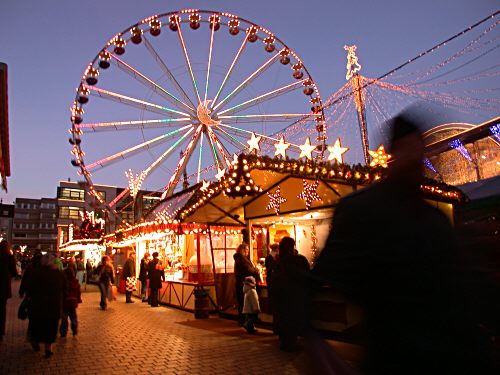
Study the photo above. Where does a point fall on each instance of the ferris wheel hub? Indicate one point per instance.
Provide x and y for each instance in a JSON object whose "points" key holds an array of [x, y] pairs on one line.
{"points": [[203, 114]]}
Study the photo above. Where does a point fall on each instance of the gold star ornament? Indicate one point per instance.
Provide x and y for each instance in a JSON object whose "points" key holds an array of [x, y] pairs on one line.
{"points": [[253, 143], [281, 147], [306, 149], [336, 151], [379, 157]]}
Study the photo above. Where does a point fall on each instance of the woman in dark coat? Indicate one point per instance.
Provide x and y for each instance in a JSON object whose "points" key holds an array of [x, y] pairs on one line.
{"points": [[7, 272], [143, 276], [243, 267], [289, 294], [155, 275], [45, 288]]}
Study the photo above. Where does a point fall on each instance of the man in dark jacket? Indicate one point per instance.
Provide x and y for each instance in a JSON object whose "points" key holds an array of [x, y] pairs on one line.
{"points": [[129, 272], [155, 275], [392, 253], [7, 272]]}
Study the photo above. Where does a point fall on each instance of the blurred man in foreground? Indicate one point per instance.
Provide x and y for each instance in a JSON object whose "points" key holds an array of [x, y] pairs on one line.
{"points": [[394, 254]]}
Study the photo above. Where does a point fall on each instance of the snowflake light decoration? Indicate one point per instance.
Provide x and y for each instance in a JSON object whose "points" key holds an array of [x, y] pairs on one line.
{"points": [[275, 200], [309, 193]]}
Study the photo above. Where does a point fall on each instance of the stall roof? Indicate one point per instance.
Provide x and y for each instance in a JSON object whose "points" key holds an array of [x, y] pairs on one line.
{"points": [[82, 244], [228, 201]]}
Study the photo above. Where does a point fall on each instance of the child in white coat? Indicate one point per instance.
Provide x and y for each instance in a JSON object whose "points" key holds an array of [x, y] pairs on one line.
{"points": [[251, 307]]}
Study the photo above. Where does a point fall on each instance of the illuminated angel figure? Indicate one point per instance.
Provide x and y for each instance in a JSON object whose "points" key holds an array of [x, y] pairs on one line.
{"points": [[352, 61]]}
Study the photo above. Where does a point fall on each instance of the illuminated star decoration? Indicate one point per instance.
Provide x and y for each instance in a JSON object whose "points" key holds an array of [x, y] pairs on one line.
{"points": [[336, 151], [281, 147], [495, 130], [379, 157], [309, 193], [135, 182], [220, 173], [254, 143], [205, 185], [306, 149], [275, 200]]}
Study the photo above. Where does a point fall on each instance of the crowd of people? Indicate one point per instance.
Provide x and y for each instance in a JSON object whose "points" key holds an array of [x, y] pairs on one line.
{"points": [[389, 252]]}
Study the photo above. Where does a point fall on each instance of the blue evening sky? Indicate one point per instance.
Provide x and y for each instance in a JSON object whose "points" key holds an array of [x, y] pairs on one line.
{"points": [[48, 44]]}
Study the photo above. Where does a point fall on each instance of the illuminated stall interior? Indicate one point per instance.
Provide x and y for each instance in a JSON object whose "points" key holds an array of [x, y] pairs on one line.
{"points": [[84, 248]]}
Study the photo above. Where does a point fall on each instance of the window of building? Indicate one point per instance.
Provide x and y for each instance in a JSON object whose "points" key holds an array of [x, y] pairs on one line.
{"points": [[69, 193], [102, 194], [19, 235], [70, 212], [48, 205]]}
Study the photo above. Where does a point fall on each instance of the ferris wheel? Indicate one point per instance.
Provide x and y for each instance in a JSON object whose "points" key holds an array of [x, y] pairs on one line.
{"points": [[167, 102]]}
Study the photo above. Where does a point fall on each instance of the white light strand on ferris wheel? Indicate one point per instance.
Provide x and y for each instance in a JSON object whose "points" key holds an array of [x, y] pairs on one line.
{"points": [[186, 57], [148, 82], [133, 101], [278, 117], [166, 71], [249, 79], [212, 31], [219, 146], [199, 160], [267, 96], [137, 148], [134, 124], [230, 70], [182, 163]]}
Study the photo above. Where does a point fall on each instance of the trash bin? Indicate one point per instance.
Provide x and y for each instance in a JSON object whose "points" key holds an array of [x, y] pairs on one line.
{"points": [[201, 303]]}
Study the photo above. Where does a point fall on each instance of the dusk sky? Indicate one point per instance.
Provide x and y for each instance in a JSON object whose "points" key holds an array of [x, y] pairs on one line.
{"points": [[48, 44]]}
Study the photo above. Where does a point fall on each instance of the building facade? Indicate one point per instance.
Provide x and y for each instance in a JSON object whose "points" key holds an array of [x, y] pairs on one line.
{"points": [[35, 223], [6, 221]]}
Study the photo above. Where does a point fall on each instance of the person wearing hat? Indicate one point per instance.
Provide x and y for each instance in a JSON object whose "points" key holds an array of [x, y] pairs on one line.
{"points": [[251, 307]]}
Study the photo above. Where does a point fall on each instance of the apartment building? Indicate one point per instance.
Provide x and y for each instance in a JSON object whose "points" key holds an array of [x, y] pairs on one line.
{"points": [[35, 223], [6, 221]]}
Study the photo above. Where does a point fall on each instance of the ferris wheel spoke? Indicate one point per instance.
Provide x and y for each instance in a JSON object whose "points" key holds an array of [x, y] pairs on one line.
{"points": [[212, 31], [199, 160], [267, 96], [186, 57], [149, 83], [234, 141], [243, 133], [137, 103], [222, 150], [182, 163], [214, 151], [249, 79], [130, 125], [140, 147], [163, 66], [230, 70], [279, 117]]}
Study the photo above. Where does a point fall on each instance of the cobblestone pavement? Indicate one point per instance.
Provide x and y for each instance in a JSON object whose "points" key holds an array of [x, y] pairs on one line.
{"points": [[137, 339]]}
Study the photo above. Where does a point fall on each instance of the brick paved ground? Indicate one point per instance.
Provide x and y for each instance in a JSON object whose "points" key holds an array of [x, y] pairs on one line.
{"points": [[138, 339]]}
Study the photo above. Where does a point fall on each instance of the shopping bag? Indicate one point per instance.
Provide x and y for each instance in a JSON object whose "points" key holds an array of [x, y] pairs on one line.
{"points": [[112, 293], [131, 284], [22, 312]]}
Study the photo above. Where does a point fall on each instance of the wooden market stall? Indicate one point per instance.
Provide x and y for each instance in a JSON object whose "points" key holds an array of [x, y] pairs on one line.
{"points": [[274, 198]]}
